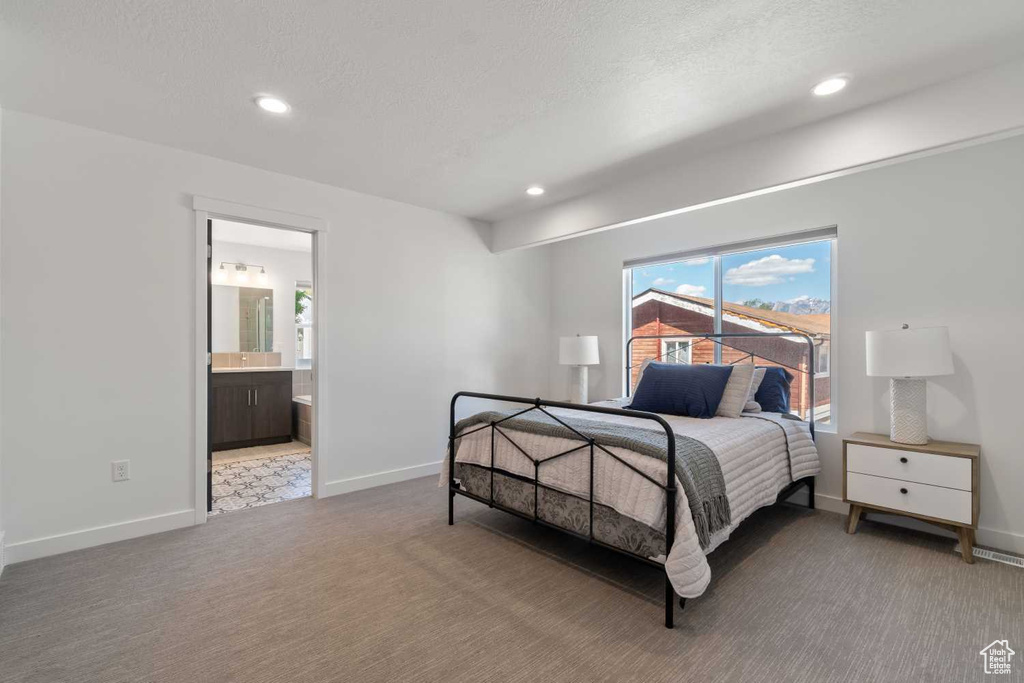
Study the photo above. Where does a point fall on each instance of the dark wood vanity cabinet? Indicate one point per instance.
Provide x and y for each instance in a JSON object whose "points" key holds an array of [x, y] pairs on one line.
{"points": [[251, 408]]}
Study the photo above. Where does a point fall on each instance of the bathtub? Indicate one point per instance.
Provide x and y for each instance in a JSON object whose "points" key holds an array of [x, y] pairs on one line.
{"points": [[302, 419]]}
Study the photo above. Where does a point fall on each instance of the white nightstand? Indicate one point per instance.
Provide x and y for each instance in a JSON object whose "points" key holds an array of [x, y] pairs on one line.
{"points": [[936, 482]]}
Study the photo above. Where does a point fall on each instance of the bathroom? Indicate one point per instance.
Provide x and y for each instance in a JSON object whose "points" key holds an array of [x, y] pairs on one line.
{"points": [[262, 366]]}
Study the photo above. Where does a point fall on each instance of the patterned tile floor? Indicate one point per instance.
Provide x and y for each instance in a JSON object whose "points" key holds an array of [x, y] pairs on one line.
{"points": [[251, 483]]}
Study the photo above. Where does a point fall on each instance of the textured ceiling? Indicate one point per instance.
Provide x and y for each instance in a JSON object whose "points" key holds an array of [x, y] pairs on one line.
{"points": [[459, 105]]}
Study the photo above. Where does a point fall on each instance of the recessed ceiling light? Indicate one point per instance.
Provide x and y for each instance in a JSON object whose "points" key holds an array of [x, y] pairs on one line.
{"points": [[272, 104], [830, 86], [535, 190]]}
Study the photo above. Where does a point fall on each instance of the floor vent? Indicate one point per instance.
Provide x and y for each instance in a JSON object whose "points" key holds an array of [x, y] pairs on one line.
{"points": [[995, 556]]}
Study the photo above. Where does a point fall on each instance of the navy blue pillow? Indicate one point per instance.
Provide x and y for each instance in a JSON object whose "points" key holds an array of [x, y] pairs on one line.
{"points": [[680, 389], [773, 394]]}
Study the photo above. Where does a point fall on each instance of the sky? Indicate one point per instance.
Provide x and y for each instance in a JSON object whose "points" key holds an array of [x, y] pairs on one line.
{"points": [[775, 274]]}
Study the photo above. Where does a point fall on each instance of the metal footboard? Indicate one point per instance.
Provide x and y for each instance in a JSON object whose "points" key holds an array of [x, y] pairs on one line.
{"points": [[589, 444]]}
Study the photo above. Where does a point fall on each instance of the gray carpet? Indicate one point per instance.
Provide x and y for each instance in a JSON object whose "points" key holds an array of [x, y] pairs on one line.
{"points": [[374, 586]]}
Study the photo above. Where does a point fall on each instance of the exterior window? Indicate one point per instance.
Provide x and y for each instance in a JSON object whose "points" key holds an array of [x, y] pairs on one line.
{"points": [[822, 359], [303, 325], [783, 288], [675, 351]]}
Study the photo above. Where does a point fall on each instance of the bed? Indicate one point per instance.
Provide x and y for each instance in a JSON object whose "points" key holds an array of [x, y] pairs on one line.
{"points": [[604, 473]]}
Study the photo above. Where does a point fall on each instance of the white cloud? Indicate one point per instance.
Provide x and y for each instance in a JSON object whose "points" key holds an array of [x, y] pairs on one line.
{"points": [[658, 282], [691, 290], [697, 261], [770, 270]]}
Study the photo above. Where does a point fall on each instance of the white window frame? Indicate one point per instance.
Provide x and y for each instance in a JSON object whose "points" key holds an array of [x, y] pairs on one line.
{"points": [[716, 253], [665, 341], [827, 372], [303, 326]]}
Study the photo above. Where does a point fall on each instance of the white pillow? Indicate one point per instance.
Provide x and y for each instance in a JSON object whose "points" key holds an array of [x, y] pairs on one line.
{"points": [[737, 390], [753, 406]]}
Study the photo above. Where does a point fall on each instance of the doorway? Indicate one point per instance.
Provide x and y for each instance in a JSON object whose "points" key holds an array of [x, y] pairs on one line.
{"points": [[258, 394]]}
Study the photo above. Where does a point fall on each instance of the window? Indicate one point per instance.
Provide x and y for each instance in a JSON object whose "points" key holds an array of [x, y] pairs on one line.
{"points": [[822, 359], [688, 283], [303, 325], [760, 287], [675, 351]]}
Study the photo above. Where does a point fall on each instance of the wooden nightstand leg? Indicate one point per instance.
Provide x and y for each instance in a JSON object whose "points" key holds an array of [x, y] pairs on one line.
{"points": [[966, 544], [851, 525]]}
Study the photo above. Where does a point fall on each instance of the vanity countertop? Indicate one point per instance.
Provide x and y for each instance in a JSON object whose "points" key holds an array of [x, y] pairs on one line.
{"points": [[273, 368]]}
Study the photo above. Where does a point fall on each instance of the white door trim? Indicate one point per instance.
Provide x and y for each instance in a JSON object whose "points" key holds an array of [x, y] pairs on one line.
{"points": [[218, 208], [207, 208]]}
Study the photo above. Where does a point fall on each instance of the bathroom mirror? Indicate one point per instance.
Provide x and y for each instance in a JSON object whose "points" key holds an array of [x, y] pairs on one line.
{"points": [[243, 319]]}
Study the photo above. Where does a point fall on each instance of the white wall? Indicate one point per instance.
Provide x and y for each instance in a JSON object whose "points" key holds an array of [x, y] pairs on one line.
{"points": [[934, 241], [982, 103], [2, 527], [99, 228], [284, 269]]}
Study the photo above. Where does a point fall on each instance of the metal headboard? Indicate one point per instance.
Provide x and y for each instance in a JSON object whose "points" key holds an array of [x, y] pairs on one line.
{"points": [[717, 339]]}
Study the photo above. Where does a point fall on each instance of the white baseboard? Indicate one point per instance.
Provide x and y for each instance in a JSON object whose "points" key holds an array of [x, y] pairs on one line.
{"points": [[991, 538], [3, 556], [86, 538], [368, 481], [100, 535]]}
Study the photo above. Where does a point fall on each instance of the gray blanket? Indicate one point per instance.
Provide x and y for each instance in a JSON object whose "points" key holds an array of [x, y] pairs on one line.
{"points": [[697, 467]]}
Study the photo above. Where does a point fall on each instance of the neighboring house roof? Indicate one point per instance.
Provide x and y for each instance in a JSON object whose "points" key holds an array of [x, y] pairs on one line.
{"points": [[817, 325]]}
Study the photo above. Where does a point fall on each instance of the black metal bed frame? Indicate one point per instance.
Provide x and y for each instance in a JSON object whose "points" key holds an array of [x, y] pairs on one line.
{"points": [[668, 487]]}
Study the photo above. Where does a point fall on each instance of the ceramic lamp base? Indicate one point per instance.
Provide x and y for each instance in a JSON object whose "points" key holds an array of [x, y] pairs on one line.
{"points": [[909, 410], [579, 384]]}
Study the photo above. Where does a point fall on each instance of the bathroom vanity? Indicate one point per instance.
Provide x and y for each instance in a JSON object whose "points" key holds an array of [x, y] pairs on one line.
{"points": [[250, 407]]}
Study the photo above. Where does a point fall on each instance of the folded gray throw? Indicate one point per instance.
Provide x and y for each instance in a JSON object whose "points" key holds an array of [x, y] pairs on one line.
{"points": [[697, 467]]}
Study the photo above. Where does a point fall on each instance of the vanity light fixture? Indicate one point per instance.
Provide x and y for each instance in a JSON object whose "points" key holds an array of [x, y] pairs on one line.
{"points": [[220, 276]]}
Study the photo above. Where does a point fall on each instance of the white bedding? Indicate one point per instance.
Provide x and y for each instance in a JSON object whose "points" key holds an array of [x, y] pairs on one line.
{"points": [[755, 453]]}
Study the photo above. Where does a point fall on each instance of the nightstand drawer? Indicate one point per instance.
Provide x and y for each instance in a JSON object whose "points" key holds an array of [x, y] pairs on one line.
{"points": [[920, 499], [923, 468]]}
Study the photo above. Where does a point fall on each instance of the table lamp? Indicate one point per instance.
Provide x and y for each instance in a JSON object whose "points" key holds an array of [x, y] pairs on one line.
{"points": [[579, 352], [907, 356]]}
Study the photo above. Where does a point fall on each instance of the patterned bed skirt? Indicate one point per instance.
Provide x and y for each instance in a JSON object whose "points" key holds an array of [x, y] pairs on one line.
{"points": [[562, 510]]}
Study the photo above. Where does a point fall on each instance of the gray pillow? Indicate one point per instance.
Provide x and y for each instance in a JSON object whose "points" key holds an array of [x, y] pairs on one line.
{"points": [[640, 375], [753, 406], [737, 391]]}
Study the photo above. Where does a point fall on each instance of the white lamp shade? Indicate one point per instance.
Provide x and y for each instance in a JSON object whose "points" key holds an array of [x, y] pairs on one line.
{"points": [[577, 351], [913, 352]]}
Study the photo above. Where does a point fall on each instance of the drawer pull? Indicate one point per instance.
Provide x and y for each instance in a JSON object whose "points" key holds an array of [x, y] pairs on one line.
{"points": [[903, 491], [904, 461]]}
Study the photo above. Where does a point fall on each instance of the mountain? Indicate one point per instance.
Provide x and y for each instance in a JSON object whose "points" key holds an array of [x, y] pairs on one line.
{"points": [[803, 305]]}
